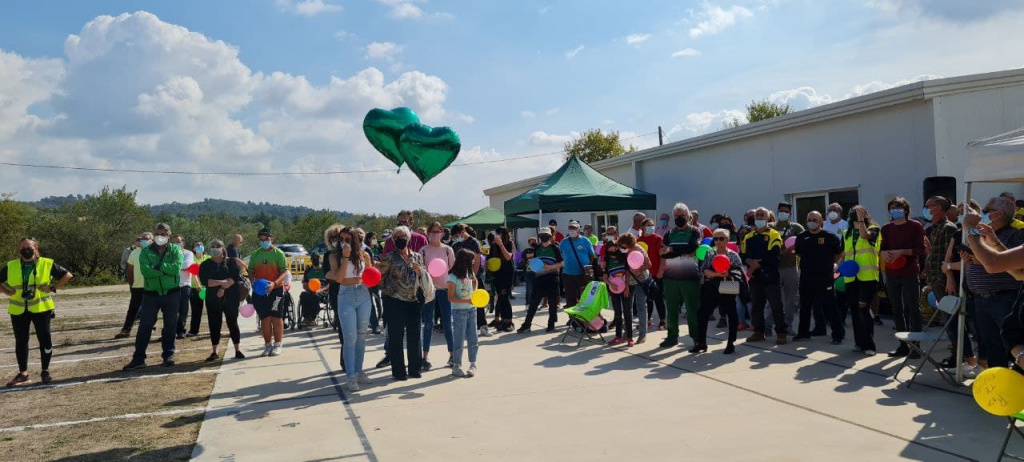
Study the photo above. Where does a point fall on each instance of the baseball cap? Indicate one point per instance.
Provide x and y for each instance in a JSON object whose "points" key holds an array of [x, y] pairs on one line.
{"points": [[544, 230], [574, 224]]}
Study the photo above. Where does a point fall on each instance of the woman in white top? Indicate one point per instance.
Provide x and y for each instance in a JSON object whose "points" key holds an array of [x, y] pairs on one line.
{"points": [[436, 250], [353, 303]]}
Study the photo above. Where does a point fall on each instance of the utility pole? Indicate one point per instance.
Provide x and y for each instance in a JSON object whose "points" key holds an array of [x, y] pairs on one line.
{"points": [[661, 140]]}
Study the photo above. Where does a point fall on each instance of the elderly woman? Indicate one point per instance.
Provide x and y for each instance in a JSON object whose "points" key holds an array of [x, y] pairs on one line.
{"points": [[712, 294], [402, 306], [31, 281], [220, 275]]}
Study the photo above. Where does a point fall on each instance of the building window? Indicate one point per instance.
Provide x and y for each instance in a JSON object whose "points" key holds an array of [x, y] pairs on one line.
{"points": [[805, 203], [604, 220]]}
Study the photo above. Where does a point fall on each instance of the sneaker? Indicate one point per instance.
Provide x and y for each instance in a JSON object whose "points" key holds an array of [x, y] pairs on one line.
{"points": [[641, 339], [425, 365], [472, 371], [668, 342], [869, 352], [19, 380], [353, 385], [180, 337], [757, 337], [123, 334], [266, 350], [629, 343], [485, 332], [276, 351], [45, 377], [363, 378], [239, 355], [722, 323], [213, 357], [385, 362], [662, 326], [449, 364], [190, 334], [168, 362], [134, 365], [801, 337], [457, 372], [616, 341], [524, 329], [742, 326], [970, 371], [551, 328]]}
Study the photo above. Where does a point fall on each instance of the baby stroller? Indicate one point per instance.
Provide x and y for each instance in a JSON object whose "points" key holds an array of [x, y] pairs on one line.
{"points": [[585, 319]]}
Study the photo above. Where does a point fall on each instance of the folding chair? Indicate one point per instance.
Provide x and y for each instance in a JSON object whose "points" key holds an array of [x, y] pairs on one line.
{"points": [[1010, 430], [915, 341], [585, 315]]}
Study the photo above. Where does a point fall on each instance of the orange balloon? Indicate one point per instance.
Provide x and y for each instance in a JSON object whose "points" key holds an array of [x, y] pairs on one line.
{"points": [[314, 285]]}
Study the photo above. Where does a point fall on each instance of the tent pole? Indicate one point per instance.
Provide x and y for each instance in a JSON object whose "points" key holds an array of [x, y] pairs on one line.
{"points": [[540, 218], [962, 312]]}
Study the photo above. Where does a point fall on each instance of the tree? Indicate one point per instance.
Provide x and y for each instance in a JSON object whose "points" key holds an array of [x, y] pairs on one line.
{"points": [[764, 110], [14, 220], [593, 145]]}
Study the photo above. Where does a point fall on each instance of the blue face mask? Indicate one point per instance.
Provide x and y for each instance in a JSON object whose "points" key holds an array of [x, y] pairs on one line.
{"points": [[265, 245], [897, 214], [783, 216], [662, 222], [760, 223], [199, 249], [927, 214], [649, 230], [985, 219]]}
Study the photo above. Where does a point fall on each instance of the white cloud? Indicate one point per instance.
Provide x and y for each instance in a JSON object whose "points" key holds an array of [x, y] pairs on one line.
{"points": [[637, 39], [383, 50], [713, 19], [308, 7], [541, 138], [23, 83], [543, 9], [956, 11], [698, 123], [344, 35], [800, 98], [686, 53], [551, 112], [406, 9], [875, 86], [527, 114], [573, 52]]}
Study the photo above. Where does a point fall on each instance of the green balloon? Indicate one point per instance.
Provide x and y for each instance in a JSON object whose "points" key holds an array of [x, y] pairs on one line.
{"points": [[202, 293], [428, 151], [702, 251], [383, 129], [841, 284]]}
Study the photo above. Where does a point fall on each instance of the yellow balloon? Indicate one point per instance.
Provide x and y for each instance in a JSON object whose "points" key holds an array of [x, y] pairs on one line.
{"points": [[480, 298], [494, 264], [642, 245], [999, 391]]}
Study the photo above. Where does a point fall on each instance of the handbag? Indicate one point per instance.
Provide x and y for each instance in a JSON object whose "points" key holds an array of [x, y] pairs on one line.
{"points": [[729, 287], [424, 287]]}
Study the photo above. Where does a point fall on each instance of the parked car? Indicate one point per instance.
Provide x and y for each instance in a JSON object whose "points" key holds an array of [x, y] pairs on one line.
{"points": [[293, 250]]}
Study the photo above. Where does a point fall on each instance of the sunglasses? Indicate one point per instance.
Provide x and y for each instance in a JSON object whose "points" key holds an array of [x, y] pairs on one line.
{"points": [[719, 239]]}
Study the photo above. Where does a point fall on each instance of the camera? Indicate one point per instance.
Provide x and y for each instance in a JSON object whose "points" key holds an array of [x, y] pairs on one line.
{"points": [[28, 293]]}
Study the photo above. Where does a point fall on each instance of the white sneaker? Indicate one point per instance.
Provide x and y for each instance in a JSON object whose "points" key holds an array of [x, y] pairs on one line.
{"points": [[457, 372], [276, 351], [472, 371], [266, 350], [353, 385], [363, 378], [485, 332], [869, 352], [970, 371]]}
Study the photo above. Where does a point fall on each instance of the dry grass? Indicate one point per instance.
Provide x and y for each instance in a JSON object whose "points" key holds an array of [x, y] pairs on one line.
{"points": [[157, 438]]}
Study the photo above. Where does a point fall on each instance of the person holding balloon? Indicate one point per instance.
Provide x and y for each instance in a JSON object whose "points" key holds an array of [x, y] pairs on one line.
{"points": [[399, 271], [196, 303], [681, 274], [221, 276], [545, 264], [902, 245], [313, 284], [760, 252], [613, 265], [721, 271], [653, 242], [269, 264], [861, 244], [639, 282], [347, 266], [501, 251], [439, 257], [463, 295], [185, 284]]}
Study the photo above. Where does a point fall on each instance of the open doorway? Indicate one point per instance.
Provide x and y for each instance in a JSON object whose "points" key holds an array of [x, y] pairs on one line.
{"points": [[805, 203]]}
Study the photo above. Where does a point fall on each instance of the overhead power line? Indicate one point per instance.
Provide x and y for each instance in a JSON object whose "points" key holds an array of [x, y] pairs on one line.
{"points": [[321, 173]]}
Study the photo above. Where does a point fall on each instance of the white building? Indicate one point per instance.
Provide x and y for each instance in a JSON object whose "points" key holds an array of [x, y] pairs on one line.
{"points": [[862, 150]]}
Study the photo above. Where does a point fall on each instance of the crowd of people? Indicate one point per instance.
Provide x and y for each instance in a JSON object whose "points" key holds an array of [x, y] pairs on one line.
{"points": [[765, 273]]}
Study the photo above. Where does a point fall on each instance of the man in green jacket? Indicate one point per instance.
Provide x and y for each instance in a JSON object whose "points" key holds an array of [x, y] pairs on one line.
{"points": [[160, 264]]}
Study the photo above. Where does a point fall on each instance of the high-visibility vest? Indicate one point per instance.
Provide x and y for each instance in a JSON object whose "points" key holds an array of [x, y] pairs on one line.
{"points": [[195, 279], [39, 303], [865, 254]]}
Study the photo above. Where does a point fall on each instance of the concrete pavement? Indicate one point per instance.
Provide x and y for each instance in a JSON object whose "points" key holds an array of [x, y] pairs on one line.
{"points": [[537, 399]]}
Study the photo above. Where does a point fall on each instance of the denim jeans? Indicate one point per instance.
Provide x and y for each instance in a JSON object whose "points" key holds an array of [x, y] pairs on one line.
{"points": [[151, 304], [353, 316], [904, 293], [440, 302], [989, 313], [639, 302], [376, 310], [183, 308], [790, 295], [464, 329], [530, 276]]}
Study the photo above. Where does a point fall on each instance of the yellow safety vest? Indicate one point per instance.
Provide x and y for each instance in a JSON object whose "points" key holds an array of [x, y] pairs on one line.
{"points": [[864, 254], [195, 279], [42, 301]]}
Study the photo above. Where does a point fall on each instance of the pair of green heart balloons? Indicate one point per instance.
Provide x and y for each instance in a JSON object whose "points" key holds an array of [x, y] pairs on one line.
{"points": [[402, 139]]}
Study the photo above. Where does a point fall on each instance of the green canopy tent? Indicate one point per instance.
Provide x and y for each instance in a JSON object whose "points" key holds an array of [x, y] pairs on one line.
{"points": [[577, 187], [491, 218]]}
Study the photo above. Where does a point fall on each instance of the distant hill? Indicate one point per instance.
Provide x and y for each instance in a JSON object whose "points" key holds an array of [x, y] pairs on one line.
{"points": [[207, 206]]}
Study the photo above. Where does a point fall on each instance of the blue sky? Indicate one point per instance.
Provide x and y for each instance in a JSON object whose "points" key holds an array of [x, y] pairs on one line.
{"points": [[282, 85]]}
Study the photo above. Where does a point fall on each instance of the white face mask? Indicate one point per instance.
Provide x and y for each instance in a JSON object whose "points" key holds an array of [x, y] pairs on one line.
{"points": [[160, 240], [574, 233], [833, 216], [783, 216], [812, 225]]}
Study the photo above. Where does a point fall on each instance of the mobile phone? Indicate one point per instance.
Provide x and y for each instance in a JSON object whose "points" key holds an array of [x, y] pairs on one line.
{"points": [[964, 248]]}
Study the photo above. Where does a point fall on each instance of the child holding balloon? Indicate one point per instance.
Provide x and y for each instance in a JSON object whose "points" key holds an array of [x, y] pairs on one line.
{"points": [[614, 269], [721, 264], [638, 282], [464, 297]]}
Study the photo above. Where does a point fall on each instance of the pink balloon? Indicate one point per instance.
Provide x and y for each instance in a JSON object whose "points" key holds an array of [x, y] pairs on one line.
{"points": [[732, 246], [437, 267], [616, 285], [247, 310], [635, 259], [790, 241]]}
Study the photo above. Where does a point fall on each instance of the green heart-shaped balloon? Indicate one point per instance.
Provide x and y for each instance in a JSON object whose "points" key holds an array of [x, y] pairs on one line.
{"points": [[384, 128], [428, 151]]}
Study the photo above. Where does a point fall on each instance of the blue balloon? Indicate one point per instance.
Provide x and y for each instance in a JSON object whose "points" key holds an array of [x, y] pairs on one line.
{"points": [[707, 241], [536, 265], [931, 300], [849, 268], [260, 286]]}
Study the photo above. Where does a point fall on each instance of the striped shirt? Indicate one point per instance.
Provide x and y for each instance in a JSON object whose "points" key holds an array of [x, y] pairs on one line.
{"points": [[980, 282]]}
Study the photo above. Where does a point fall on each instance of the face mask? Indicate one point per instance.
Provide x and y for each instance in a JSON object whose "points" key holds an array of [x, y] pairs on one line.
{"points": [[927, 214], [649, 230], [985, 219], [897, 214], [662, 222], [783, 216], [812, 225], [574, 233], [373, 242], [160, 240], [544, 237], [713, 226], [833, 216], [400, 244], [760, 223], [623, 251], [265, 245], [199, 249], [435, 237], [456, 240], [533, 244], [215, 253], [749, 221], [27, 253], [681, 222], [726, 225]]}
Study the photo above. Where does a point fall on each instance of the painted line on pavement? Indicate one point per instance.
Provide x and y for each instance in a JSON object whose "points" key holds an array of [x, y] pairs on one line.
{"points": [[344, 400], [92, 358], [194, 410], [106, 380]]}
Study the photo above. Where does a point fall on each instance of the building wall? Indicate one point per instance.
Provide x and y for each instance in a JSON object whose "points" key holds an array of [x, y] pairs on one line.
{"points": [[965, 117], [883, 153]]}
